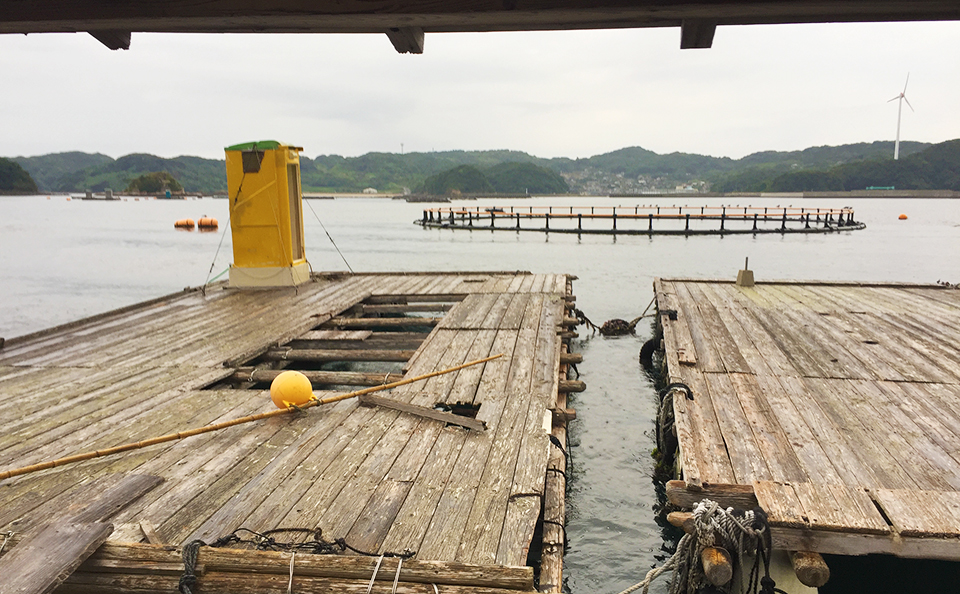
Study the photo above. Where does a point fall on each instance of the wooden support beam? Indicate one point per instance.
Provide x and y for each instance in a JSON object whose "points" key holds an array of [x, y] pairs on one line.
{"points": [[370, 344], [425, 298], [406, 40], [117, 566], [320, 355], [366, 323], [567, 358], [422, 411], [811, 569], [112, 38], [339, 378], [737, 496], [563, 415], [717, 565], [697, 33], [395, 308], [568, 386], [570, 322]]}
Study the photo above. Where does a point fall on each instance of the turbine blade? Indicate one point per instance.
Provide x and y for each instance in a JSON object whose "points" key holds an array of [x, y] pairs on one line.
{"points": [[905, 84], [894, 99], [908, 104]]}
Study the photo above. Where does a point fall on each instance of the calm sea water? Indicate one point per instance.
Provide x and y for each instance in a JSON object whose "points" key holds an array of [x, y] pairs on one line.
{"points": [[63, 260]]}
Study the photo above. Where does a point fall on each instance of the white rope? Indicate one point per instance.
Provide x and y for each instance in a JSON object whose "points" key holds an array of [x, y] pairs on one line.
{"points": [[396, 578], [293, 555], [374, 578], [8, 535]]}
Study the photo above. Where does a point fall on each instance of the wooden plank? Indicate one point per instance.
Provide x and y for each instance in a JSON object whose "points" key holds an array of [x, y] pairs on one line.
{"points": [[369, 323], [421, 506], [805, 446], [374, 522], [920, 513], [705, 353], [906, 443], [699, 432], [321, 355], [336, 335], [775, 445], [865, 441], [321, 432], [746, 456], [421, 411], [829, 436], [712, 324], [781, 504], [39, 564], [320, 378]]}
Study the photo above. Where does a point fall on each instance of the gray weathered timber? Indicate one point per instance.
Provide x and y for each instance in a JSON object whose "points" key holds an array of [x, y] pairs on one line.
{"points": [[384, 480], [835, 405]]}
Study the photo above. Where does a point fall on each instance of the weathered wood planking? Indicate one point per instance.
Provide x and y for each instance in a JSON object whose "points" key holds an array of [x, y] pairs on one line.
{"points": [[385, 480], [831, 399]]}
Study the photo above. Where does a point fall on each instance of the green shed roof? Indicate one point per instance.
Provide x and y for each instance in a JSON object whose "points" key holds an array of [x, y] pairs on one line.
{"points": [[259, 144]]}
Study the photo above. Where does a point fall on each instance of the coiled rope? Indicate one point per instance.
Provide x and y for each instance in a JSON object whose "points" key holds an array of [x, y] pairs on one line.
{"points": [[742, 532]]}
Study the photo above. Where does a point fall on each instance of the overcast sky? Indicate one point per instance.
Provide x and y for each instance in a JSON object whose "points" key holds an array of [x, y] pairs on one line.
{"points": [[572, 94]]}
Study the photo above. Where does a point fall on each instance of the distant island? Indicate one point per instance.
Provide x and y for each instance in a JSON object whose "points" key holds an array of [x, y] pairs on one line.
{"points": [[633, 170]]}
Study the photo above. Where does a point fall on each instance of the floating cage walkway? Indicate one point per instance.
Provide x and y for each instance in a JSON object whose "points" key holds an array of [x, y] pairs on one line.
{"points": [[644, 220]]}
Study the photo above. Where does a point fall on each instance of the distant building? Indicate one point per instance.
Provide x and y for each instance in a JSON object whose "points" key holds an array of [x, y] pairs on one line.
{"points": [[369, 190]]}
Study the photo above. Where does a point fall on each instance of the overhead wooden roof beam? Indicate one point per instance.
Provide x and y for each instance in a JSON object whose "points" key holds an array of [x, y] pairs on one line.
{"points": [[113, 39], [406, 40], [405, 19], [697, 34]]}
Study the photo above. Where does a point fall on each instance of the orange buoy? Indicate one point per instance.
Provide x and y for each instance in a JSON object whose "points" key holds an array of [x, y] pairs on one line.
{"points": [[206, 222], [291, 388], [184, 224], [903, 217]]}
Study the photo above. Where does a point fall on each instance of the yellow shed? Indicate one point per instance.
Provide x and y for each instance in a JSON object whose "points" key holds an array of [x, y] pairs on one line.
{"points": [[266, 215]]}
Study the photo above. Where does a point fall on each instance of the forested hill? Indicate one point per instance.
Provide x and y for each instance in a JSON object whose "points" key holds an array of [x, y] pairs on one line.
{"points": [[627, 170], [14, 179]]}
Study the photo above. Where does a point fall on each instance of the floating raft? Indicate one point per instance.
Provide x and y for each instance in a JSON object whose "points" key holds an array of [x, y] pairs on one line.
{"points": [[644, 220], [384, 474], [834, 406]]}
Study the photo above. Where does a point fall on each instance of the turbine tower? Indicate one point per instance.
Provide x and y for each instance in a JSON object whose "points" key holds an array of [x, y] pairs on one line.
{"points": [[901, 97]]}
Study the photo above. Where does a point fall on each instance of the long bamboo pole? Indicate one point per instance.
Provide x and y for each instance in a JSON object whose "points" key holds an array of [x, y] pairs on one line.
{"points": [[216, 427]]}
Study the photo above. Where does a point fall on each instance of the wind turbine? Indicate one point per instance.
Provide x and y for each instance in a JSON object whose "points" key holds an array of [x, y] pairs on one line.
{"points": [[901, 97]]}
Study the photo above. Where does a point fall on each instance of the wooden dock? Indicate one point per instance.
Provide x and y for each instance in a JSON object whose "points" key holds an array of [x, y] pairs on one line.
{"points": [[834, 406], [643, 220], [464, 502]]}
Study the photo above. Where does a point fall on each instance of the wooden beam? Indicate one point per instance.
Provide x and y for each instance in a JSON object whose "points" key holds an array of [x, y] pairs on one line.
{"points": [[112, 38], [338, 378], [37, 565], [404, 307], [422, 411], [367, 323], [319, 355], [697, 33], [568, 386], [737, 496], [811, 569], [40, 562], [357, 16], [136, 562], [406, 40]]}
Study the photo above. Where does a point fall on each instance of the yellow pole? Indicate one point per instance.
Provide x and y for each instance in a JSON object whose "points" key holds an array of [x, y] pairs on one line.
{"points": [[216, 427]]}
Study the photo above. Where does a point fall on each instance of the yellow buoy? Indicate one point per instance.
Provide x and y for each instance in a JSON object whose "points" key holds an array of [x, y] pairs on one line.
{"points": [[903, 217], [290, 388]]}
